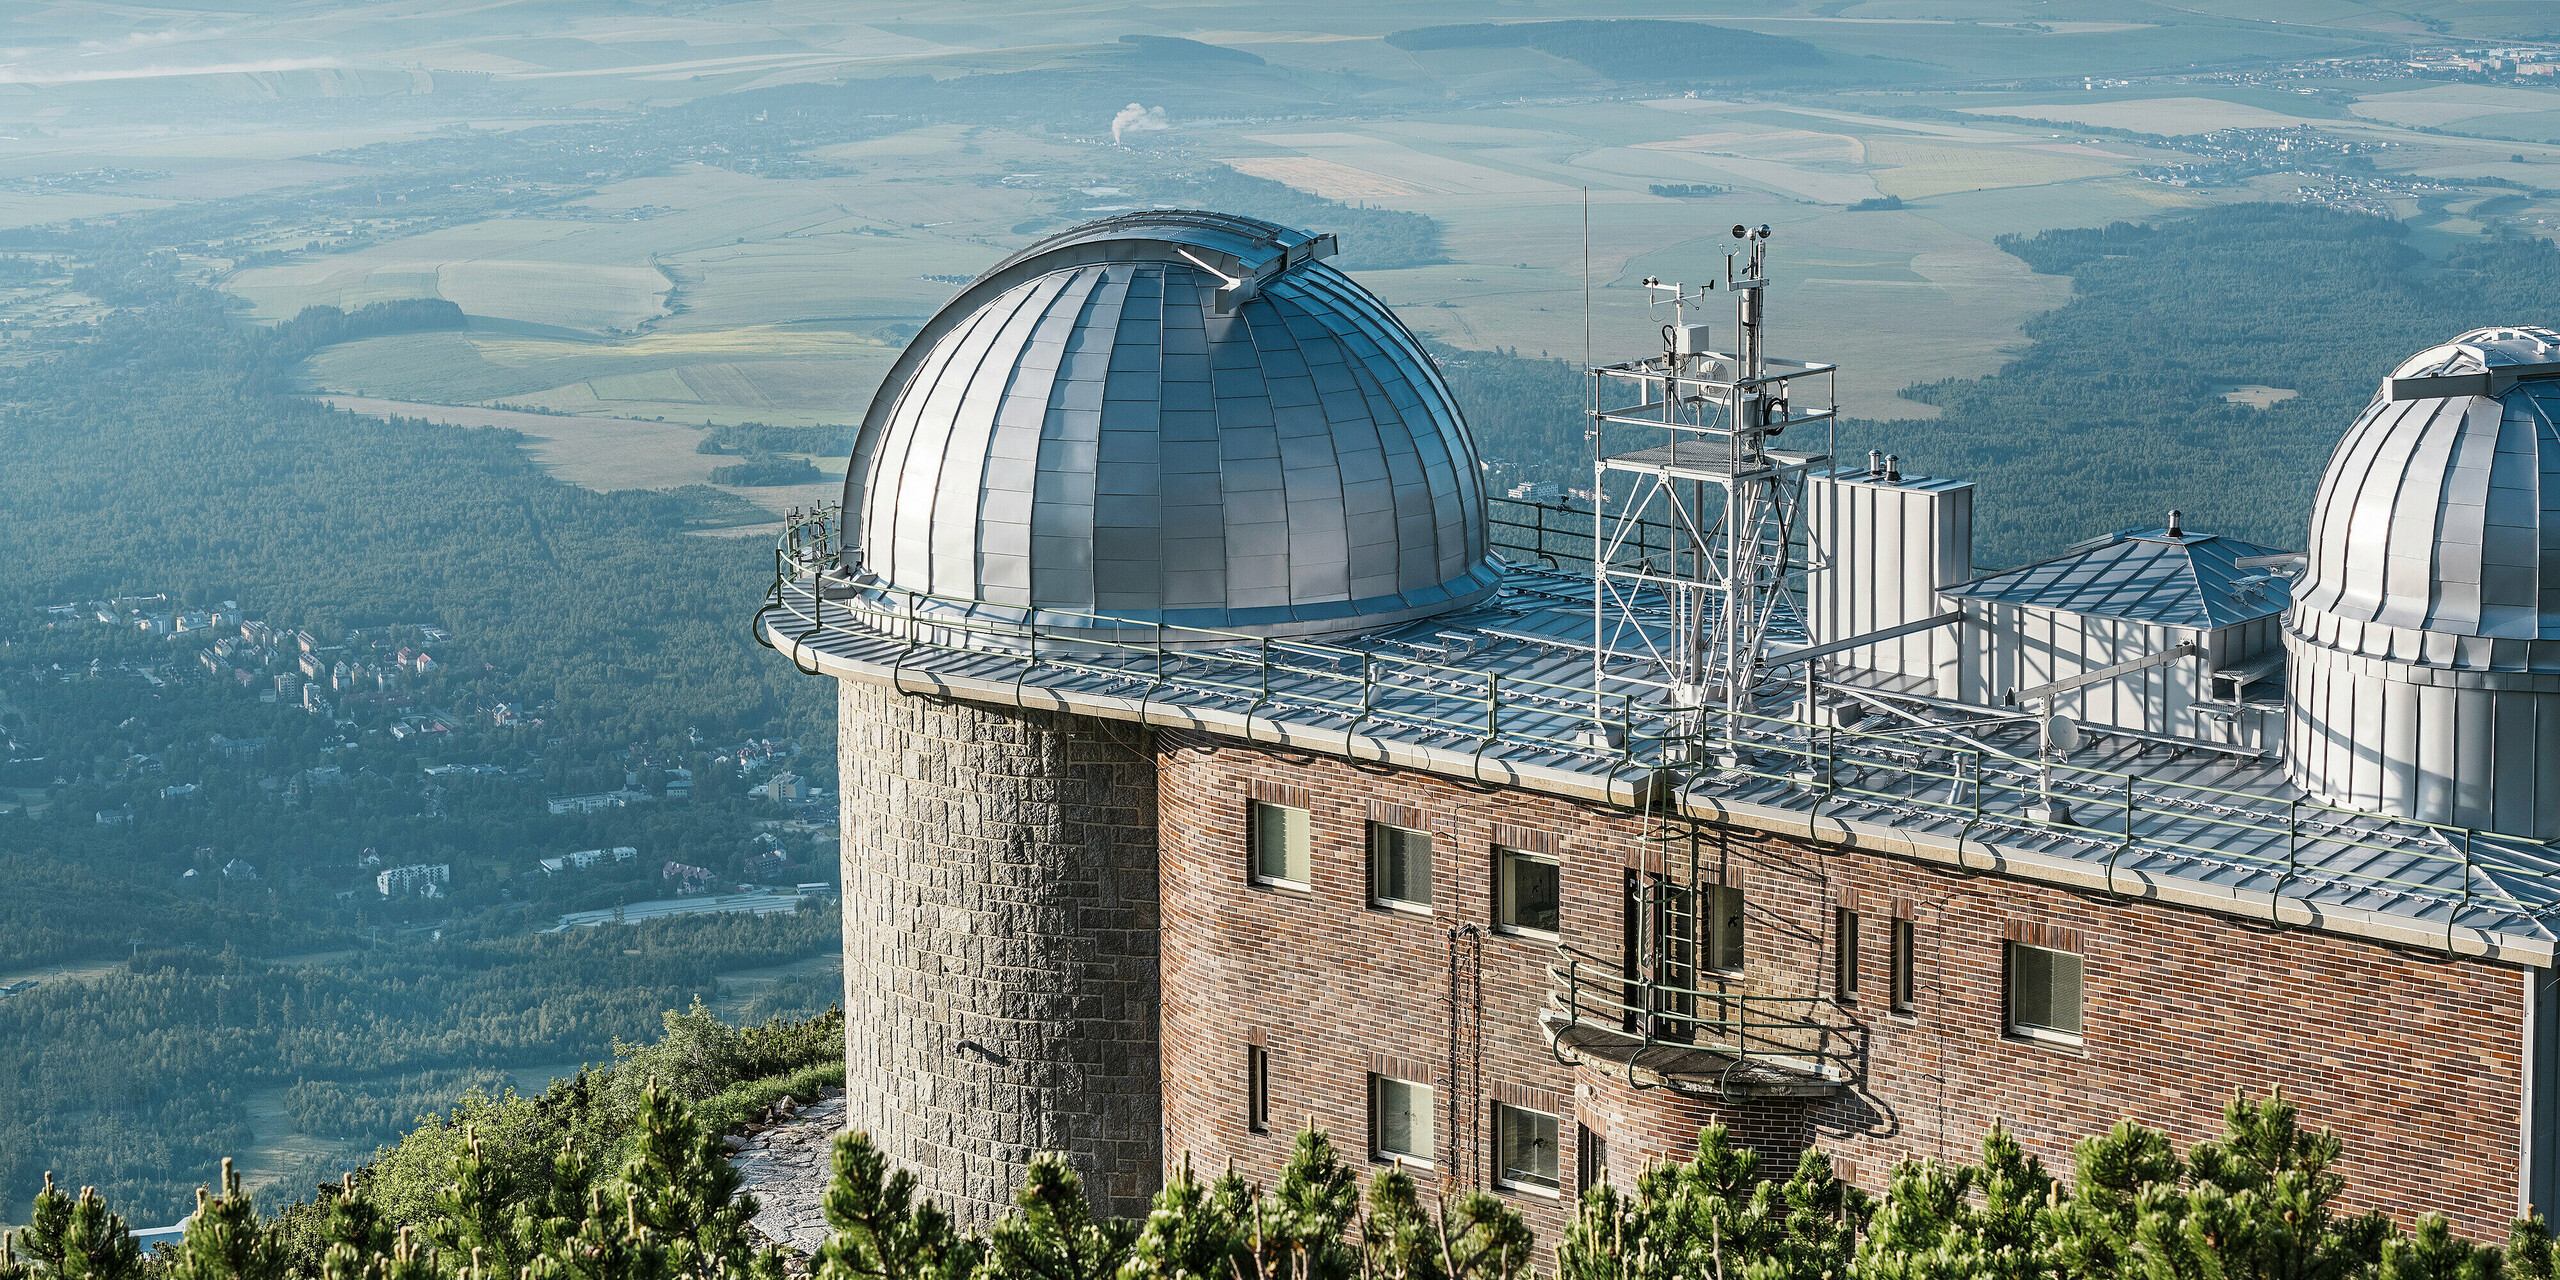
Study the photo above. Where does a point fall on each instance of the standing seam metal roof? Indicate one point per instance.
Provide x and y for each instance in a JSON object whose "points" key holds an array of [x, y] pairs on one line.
{"points": [[2145, 576]]}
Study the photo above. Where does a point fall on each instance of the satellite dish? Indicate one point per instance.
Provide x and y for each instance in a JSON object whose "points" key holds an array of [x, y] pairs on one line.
{"points": [[2061, 735]]}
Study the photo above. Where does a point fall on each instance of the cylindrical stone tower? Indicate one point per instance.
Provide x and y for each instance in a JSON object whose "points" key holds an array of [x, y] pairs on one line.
{"points": [[1000, 946], [1170, 429]]}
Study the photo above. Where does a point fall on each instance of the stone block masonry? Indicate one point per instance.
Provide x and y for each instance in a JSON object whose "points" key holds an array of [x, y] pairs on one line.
{"points": [[1001, 936]]}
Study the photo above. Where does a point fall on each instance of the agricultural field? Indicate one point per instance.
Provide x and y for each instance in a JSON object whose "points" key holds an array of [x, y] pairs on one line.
{"points": [[712, 292]]}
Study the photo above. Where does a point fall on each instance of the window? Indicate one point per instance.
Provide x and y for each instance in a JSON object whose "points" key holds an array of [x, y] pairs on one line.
{"points": [[1279, 836], [1399, 867], [1525, 1146], [1399, 1120], [1590, 1158], [1844, 955], [1257, 1088], [1528, 891], [1724, 927], [2043, 993], [1901, 995]]}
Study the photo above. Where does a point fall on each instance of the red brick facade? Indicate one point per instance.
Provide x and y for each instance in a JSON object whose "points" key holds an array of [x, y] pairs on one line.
{"points": [[2415, 1061]]}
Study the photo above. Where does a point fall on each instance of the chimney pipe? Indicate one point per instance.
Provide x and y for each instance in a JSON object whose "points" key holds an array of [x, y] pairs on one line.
{"points": [[1875, 462], [2177, 524], [1893, 468]]}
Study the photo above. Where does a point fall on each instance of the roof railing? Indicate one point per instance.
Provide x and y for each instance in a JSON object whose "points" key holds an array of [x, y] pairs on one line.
{"points": [[1386, 685]]}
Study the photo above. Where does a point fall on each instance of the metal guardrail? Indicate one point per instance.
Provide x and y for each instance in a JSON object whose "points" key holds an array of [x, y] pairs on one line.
{"points": [[1637, 1015], [1386, 686]]}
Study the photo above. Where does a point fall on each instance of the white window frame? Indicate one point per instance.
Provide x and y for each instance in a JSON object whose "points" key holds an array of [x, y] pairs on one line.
{"points": [[1555, 1153], [1253, 845], [2009, 1021], [1431, 866], [1378, 1149], [1502, 895]]}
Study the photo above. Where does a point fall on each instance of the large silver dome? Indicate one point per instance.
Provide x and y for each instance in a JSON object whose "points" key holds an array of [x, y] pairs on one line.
{"points": [[2425, 633], [1177, 418]]}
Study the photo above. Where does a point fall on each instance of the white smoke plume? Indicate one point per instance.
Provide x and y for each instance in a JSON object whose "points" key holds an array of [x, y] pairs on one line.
{"points": [[1137, 119]]}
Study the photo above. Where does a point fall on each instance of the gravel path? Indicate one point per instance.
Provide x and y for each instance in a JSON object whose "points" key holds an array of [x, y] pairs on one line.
{"points": [[787, 1167]]}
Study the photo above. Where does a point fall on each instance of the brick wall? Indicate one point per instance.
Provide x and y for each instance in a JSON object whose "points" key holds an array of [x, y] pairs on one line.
{"points": [[2416, 1062]]}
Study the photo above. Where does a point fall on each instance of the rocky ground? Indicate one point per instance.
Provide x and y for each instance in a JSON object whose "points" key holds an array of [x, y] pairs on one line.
{"points": [[785, 1159]]}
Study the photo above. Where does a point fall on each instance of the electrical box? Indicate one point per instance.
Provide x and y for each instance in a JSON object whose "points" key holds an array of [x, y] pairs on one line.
{"points": [[1689, 340]]}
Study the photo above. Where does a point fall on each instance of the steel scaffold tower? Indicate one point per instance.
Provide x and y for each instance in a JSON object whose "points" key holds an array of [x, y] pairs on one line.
{"points": [[1700, 553]]}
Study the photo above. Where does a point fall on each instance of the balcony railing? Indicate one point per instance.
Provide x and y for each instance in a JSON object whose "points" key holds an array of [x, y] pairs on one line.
{"points": [[1693, 1037]]}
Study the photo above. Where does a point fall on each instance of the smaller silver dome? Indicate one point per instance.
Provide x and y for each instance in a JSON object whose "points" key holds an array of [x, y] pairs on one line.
{"points": [[2424, 639]]}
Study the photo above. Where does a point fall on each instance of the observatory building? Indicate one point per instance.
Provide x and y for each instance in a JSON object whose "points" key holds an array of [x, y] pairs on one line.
{"points": [[1218, 756]]}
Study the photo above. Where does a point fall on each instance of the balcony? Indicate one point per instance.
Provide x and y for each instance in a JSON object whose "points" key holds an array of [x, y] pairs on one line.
{"points": [[1692, 1037]]}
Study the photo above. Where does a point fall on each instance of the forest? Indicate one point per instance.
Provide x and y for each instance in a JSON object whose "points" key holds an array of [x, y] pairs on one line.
{"points": [[141, 1086]]}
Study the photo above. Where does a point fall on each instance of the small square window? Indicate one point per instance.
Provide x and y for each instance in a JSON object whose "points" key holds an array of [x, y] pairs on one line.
{"points": [[2043, 993], [1905, 953], [1280, 837], [1528, 891], [1399, 866], [1399, 1120], [1257, 1088], [1844, 955], [1525, 1142]]}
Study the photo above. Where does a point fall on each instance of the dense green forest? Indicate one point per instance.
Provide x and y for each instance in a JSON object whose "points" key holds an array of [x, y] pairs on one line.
{"points": [[2115, 413], [141, 1086]]}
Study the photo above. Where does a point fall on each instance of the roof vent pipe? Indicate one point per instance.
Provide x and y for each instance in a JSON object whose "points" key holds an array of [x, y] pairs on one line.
{"points": [[1892, 469], [1875, 462], [2177, 524]]}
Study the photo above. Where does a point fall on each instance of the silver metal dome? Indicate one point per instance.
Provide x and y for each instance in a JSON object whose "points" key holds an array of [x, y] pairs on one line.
{"points": [[1171, 418], [2424, 638]]}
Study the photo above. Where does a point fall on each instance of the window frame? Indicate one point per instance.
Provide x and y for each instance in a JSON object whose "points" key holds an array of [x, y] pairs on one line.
{"points": [[1844, 956], [1257, 1089], [2011, 1026], [1379, 1152], [1378, 835], [1554, 1187], [1253, 841], [1590, 1158], [1902, 984], [1503, 895], [1719, 932]]}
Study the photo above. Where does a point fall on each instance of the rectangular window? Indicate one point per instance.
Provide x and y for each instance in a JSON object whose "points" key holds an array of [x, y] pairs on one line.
{"points": [[1280, 839], [1399, 1120], [1590, 1159], [1257, 1088], [1724, 927], [1844, 955], [1525, 1146], [1903, 983], [1528, 891], [1399, 866], [2043, 992]]}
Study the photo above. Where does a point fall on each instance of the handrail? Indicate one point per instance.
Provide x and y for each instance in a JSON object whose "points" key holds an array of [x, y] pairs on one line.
{"points": [[1620, 726], [1662, 1019]]}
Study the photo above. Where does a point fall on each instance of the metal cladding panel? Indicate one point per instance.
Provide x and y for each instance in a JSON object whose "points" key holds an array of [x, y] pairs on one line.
{"points": [[1884, 550], [2425, 641], [1086, 430]]}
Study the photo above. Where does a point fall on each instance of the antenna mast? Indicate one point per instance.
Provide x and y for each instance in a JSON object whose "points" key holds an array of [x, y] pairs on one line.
{"points": [[1700, 563]]}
